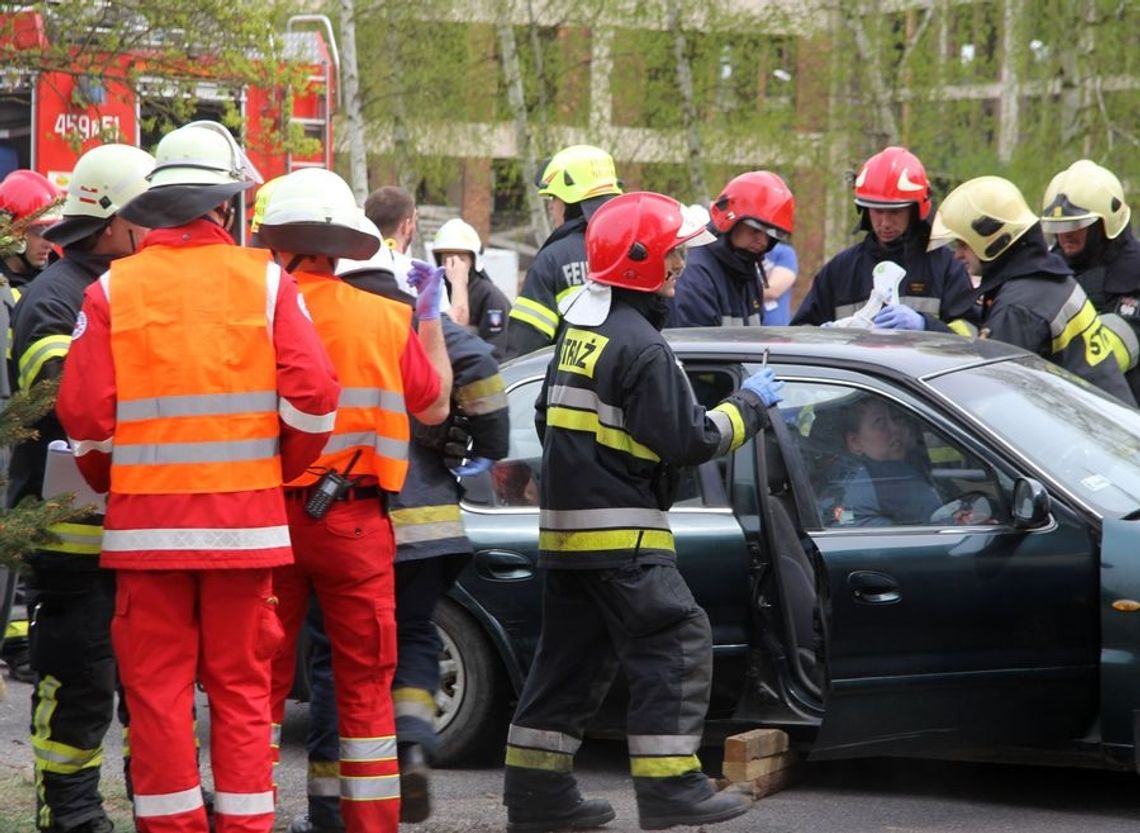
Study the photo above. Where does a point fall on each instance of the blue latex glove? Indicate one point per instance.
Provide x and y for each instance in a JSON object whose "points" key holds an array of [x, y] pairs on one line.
{"points": [[899, 317], [764, 384], [427, 281], [476, 465]]}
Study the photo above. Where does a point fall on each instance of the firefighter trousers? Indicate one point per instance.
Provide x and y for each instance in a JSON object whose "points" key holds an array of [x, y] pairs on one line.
{"points": [[643, 618], [171, 629], [346, 559], [73, 700]]}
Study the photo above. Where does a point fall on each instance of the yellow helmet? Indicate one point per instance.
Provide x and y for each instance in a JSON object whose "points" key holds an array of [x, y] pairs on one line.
{"points": [[578, 173], [1082, 194], [988, 214]]}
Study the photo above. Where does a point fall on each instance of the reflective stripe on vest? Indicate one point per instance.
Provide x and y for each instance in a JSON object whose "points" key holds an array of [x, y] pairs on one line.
{"points": [[365, 336], [183, 539], [578, 409], [196, 379]]}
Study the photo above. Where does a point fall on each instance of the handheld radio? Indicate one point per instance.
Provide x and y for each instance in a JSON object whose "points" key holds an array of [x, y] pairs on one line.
{"points": [[332, 486]]}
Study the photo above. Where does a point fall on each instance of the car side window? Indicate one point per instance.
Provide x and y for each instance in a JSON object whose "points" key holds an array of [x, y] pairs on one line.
{"points": [[873, 462]]}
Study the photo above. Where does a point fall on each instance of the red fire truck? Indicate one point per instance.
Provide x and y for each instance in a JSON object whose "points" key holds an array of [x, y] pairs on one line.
{"points": [[49, 118]]}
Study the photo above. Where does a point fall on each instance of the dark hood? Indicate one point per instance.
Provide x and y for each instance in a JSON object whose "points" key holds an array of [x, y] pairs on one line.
{"points": [[649, 305], [1027, 257], [739, 263]]}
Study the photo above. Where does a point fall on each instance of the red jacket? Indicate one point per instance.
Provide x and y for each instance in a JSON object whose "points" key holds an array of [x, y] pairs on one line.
{"points": [[198, 529]]}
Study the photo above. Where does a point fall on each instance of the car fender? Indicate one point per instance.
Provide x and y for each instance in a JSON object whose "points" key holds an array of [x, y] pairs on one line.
{"points": [[494, 632]]}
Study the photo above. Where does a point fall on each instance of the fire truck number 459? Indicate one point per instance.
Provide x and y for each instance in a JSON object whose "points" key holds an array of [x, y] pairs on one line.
{"points": [[83, 126]]}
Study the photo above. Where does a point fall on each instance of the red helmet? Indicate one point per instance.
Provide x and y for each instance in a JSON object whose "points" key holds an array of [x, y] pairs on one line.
{"points": [[628, 238], [893, 178], [29, 198], [759, 198]]}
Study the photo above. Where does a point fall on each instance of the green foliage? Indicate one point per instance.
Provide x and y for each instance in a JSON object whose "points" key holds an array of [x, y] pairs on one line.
{"points": [[24, 527]]}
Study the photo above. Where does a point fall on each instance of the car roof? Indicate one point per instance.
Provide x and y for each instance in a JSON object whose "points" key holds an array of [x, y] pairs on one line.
{"points": [[896, 352]]}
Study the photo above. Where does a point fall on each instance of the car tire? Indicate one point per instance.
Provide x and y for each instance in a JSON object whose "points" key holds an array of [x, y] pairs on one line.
{"points": [[473, 692]]}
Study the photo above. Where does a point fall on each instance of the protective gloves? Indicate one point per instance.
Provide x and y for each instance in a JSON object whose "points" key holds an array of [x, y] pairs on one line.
{"points": [[476, 465], [764, 384], [899, 317], [427, 281]]}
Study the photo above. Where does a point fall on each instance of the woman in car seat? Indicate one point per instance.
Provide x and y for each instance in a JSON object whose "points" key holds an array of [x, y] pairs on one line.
{"points": [[879, 485]]}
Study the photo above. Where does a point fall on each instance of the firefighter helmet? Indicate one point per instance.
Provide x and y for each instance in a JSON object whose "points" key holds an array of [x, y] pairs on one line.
{"points": [[104, 180], [628, 239], [577, 173], [312, 211], [760, 199], [458, 236], [893, 178], [988, 214], [29, 199], [1082, 194], [197, 168]]}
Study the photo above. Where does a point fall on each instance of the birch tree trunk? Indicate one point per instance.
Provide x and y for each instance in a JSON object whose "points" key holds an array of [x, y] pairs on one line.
{"points": [[694, 151], [354, 116], [512, 73]]}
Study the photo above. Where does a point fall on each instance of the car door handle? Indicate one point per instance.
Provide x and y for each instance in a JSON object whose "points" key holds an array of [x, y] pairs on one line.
{"points": [[874, 588], [501, 565]]}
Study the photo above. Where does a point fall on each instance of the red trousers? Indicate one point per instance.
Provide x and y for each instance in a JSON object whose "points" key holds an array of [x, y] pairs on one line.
{"points": [[346, 558], [173, 628]]}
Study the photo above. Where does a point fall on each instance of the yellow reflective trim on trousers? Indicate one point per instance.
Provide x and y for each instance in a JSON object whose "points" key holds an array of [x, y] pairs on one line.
{"points": [[615, 438], [324, 769], [417, 703], [61, 759], [1086, 317], [663, 767], [553, 540], [40, 351], [75, 539], [536, 315], [962, 327], [738, 431], [539, 759], [16, 629]]}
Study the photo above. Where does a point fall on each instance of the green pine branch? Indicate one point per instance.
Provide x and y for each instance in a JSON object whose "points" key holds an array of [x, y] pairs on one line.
{"points": [[25, 527]]}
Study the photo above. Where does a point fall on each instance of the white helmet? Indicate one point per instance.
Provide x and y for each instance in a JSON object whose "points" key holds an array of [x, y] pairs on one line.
{"points": [[313, 212], [457, 236], [197, 167], [380, 260], [104, 180]]}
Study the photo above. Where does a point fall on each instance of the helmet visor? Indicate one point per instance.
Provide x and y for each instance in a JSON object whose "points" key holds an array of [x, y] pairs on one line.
{"points": [[1060, 225], [771, 231]]}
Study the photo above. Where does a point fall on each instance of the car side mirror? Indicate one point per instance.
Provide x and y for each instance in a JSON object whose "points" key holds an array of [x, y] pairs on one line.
{"points": [[1030, 504]]}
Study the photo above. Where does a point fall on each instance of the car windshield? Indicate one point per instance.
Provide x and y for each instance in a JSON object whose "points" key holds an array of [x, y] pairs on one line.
{"points": [[1082, 439]]}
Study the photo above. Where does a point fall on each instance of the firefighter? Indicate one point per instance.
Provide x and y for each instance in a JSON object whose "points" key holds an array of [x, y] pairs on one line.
{"points": [[616, 412], [71, 597], [577, 181], [459, 250], [1084, 207], [1028, 294], [723, 284], [29, 204], [893, 195], [431, 549], [344, 547], [195, 384]]}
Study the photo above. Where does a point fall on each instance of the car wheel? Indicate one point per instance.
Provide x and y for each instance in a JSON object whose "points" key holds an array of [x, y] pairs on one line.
{"points": [[473, 691]]}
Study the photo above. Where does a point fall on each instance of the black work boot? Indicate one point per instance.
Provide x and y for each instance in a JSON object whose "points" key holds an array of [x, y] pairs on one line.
{"points": [[587, 814], [415, 783], [658, 815]]}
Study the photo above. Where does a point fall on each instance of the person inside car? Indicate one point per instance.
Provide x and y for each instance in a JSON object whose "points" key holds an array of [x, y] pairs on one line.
{"points": [[879, 484]]}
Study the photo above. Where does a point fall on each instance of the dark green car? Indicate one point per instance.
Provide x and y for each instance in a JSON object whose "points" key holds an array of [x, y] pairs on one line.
{"points": [[974, 589]]}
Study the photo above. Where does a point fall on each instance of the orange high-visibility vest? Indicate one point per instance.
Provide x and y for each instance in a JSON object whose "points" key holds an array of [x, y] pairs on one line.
{"points": [[365, 336], [195, 370]]}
